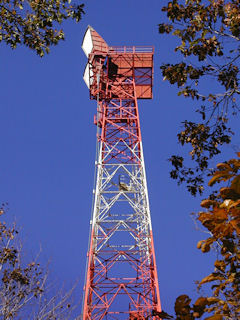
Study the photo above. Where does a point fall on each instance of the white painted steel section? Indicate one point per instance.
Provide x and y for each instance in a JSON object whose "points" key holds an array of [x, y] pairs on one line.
{"points": [[98, 186], [145, 186], [131, 200]]}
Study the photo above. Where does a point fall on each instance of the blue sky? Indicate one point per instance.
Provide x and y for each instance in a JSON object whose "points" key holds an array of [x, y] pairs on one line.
{"points": [[48, 149]]}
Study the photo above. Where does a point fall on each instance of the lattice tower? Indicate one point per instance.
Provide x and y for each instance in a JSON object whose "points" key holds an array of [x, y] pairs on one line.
{"points": [[121, 276]]}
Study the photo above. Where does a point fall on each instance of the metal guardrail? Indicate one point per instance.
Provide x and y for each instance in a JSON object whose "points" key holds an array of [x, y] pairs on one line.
{"points": [[131, 49]]}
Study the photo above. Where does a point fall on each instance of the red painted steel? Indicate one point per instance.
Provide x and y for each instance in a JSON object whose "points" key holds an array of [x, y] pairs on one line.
{"points": [[117, 68], [121, 280]]}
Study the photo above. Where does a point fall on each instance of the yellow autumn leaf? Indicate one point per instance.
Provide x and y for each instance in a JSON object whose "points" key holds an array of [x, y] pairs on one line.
{"points": [[218, 176], [199, 244], [226, 203], [220, 265], [220, 213], [207, 203], [235, 185], [235, 163], [215, 317], [211, 278], [212, 300], [236, 225], [235, 204], [224, 166], [202, 301]]}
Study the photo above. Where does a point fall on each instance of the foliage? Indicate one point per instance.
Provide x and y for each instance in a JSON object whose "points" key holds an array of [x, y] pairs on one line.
{"points": [[208, 73], [25, 291], [35, 23], [221, 218]]}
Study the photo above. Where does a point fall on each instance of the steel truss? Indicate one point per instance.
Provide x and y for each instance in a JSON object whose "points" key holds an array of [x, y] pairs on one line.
{"points": [[121, 279]]}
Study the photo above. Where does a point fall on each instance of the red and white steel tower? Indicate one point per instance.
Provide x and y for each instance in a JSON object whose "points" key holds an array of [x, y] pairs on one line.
{"points": [[121, 276]]}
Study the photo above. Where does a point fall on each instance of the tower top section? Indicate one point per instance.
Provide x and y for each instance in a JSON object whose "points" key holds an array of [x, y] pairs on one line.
{"points": [[111, 67]]}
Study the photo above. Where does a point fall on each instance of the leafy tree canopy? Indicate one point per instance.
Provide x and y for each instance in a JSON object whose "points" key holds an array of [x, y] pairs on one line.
{"points": [[208, 73], [25, 289], [35, 23], [221, 221]]}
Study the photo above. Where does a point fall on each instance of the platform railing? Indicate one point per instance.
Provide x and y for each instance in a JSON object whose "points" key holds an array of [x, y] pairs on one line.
{"points": [[131, 49]]}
